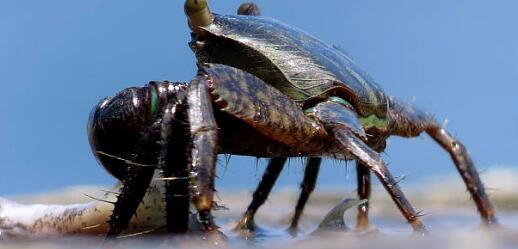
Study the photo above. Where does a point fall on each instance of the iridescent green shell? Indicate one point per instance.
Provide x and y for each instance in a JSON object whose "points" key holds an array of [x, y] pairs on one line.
{"points": [[299, 65]]}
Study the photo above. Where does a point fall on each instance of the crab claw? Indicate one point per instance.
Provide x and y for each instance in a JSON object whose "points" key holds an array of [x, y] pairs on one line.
{"points": [[198, 14]]}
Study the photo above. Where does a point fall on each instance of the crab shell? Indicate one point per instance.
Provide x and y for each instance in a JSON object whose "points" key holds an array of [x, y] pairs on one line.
{"points": [[301, 66]]}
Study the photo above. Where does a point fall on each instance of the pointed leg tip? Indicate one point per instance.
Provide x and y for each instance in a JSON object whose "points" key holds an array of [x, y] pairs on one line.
{"points": [[246, 228], [492, 224], [294, 231]]}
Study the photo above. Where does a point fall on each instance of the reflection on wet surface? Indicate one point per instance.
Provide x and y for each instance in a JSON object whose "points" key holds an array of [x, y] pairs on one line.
{"points": [[449, 215]]}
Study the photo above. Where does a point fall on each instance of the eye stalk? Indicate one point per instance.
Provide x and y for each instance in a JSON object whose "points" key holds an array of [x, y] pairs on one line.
{"points": [[198, 14], [249, 9]]}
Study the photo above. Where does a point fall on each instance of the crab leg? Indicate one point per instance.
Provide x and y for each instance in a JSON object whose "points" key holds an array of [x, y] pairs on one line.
{"points": [[310, 174], [364, 191], [273, 114], [273, 170], [349, 142], [247, 98], [204, 131], [339, 122], [135, 185], [407, 121], [467, 171], [174, 159], [275, 165], [264, 188], [307, 186]]}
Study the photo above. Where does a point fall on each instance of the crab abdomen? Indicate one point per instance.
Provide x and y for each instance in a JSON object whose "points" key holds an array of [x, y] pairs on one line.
{"points": [[296, 63]]}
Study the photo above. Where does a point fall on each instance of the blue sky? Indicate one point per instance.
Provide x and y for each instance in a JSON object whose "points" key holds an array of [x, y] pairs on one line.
{"points": [[457, 59]]}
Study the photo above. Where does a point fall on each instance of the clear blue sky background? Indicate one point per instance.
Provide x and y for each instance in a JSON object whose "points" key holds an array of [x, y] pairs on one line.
{"points": [[457, 59]]}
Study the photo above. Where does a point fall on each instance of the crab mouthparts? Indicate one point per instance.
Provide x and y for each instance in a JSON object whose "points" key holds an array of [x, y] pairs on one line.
{"points": [[198, 14]]}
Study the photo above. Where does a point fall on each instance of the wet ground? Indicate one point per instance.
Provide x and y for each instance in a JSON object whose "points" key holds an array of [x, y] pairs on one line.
{"points": [[449, 215]]}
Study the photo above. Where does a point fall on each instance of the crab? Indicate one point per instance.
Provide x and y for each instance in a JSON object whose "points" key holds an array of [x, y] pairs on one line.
{"points": [[263, 89], [355, 112]]}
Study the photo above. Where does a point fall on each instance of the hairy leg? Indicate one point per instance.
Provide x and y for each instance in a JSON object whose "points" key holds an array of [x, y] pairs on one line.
{"points": [[310, 174], [135, 185], [364, 191], [174, 162], [307, 186], [339, 122], [407, 121], [203, 129], [274, 168]]}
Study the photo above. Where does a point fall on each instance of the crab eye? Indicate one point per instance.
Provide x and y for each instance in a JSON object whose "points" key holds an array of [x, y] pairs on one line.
{"points": [[198, 13]]}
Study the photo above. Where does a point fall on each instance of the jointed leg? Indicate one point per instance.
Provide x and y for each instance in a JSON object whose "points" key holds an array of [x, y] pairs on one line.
{"points": [[135, 186], [274, 168], [373, 161], [409, 122], [174, 163], [467, 171], [310, 174], [349, 142], [307, 186], [270, 113], [203, 129], [271, 174], [283, 120], [363, 177]]}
